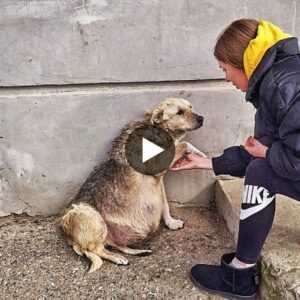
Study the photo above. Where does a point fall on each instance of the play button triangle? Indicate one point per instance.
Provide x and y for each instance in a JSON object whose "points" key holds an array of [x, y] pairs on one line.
{"points": [[149, 150]]}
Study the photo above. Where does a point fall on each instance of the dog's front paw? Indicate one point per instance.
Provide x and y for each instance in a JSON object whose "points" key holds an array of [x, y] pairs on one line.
{"points": [[121, 260], [193, 149], [174, 224]]}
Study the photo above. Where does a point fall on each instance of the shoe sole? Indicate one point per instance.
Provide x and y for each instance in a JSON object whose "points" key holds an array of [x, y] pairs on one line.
{"points": [[227, 295]]}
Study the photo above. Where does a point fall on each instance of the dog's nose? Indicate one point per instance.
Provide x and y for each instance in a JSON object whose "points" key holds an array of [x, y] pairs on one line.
{"points": [[200, 120]]}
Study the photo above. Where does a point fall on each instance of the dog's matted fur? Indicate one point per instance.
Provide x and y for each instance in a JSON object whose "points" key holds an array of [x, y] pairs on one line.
{"points": [[119, 207]]}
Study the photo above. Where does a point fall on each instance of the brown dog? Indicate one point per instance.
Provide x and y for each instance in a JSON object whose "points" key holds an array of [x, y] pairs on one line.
{"points": [[118, 206]]}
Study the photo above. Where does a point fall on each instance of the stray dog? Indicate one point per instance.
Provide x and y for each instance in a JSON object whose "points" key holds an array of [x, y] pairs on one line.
{"points": [[118, 206]]}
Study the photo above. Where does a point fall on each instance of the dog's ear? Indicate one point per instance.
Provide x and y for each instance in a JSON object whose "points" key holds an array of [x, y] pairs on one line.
{"points": [[157, 116]]}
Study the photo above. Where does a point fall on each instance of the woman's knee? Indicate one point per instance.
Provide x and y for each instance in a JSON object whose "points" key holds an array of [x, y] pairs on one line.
{"points": [[259, 173]]}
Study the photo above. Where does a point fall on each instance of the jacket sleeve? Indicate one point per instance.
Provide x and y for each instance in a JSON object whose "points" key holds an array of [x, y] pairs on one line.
{"points": [[233, 161], [284, 154]]}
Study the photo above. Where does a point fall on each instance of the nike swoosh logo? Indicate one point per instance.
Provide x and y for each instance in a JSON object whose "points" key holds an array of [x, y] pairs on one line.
{"points": [[245, 213]]}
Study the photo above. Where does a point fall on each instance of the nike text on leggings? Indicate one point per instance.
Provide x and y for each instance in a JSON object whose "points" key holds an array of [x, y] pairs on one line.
{"points": [[258, 207]]}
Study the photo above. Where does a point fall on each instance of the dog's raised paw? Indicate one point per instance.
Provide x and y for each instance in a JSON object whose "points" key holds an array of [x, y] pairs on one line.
{"points": [[174, 224], [193, 149]]}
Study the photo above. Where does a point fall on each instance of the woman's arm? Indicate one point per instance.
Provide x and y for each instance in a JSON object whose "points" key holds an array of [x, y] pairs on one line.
{"points": [[233, 161]]}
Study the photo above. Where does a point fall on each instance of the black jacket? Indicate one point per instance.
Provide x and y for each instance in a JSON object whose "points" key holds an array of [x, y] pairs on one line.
{"points": [[274, 90]]}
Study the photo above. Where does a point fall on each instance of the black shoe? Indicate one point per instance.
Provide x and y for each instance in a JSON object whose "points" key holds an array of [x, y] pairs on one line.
{"points": [[227, 280]]}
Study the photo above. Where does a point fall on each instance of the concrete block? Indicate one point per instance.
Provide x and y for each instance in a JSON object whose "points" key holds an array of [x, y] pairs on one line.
{"points": [[73, 42], [281, 13], [280, 258], [51, 138], [297, 20], [63, 42]]}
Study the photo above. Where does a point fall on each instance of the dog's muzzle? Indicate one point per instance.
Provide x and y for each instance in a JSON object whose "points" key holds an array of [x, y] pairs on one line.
{"points": [[197, 121]]}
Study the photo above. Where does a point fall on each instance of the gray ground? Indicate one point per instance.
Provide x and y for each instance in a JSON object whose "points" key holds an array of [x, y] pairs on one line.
{"points": [[36, 263]]}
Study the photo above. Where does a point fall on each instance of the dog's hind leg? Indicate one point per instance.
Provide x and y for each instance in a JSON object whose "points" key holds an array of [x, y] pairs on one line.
{"points": [[116, 258], [77, 249], [130, 251]]}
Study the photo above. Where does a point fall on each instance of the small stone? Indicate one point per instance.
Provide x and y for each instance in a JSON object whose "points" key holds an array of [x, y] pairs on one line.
{"points": [[151, 295]]}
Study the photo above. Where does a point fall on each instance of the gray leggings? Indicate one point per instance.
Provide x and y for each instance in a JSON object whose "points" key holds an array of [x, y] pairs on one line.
{"points": [[258, 207]]}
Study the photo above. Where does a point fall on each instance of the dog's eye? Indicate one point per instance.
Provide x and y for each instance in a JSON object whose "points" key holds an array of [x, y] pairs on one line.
{"points": [[180, 112]]}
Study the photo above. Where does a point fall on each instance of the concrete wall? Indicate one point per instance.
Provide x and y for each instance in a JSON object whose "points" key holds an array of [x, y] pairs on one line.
{"points": [[72, 73]]}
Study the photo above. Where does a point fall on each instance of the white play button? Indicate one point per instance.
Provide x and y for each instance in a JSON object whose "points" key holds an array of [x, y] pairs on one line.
{"points": [[150, 150]]}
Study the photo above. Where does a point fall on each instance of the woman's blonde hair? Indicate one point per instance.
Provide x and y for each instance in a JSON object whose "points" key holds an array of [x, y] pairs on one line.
{"points": [[233, 41]]}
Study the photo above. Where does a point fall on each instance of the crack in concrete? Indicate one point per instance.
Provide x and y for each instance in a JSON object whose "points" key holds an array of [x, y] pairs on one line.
{"points": [[245, 8], [238, 132], [295, 4], [86, 7], [18, 197]]}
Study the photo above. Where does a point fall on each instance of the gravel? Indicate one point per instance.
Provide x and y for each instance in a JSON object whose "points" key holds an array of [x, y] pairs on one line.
{"points": [[36, 262]]}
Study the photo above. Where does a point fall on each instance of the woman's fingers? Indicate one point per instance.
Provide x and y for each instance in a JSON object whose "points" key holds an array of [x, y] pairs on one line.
{"points": [[247, 143], [180, 163], [250, 141], [186, 162], [255, 147]]}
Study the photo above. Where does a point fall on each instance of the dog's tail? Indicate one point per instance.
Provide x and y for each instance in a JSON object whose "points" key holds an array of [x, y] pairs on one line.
{"points": [[95, 259]]}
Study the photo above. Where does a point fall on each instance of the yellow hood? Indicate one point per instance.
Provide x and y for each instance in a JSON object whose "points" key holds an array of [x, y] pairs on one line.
{"points": [[267, 36]]}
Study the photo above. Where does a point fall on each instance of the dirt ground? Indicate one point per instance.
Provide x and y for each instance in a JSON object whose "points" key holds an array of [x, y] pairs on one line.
{"points": [[36, 263]]}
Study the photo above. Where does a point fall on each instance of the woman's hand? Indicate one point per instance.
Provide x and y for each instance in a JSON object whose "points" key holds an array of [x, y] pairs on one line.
{"points": [[192, 161], [255, 148]]}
